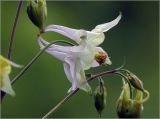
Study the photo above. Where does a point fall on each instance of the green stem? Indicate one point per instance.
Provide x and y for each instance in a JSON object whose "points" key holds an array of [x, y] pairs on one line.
{"points": [[35, 58], [94, 77], [74, 92], [31, 62], [60, 103], [14, 29]]}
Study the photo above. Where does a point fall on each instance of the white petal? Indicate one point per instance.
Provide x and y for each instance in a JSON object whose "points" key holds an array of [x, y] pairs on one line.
{"points": [[73, 34], [81, 79], [72, 73], [87, 56], [95, 63], [65, 49], [59, 55], [67, 71], [7, 88], [14, 64], [108, 61], [106, 26], [99, 49], [95, 38], [60, 52], [68, 74]]}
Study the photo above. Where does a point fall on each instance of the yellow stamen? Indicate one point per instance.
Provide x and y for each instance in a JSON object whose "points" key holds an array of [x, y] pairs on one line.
{"points": [[100, 57]]}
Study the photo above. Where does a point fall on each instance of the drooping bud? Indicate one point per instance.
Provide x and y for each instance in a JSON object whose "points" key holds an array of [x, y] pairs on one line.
{"points": [[135, 81], [130, 108], [37, 12], [100, 95]]}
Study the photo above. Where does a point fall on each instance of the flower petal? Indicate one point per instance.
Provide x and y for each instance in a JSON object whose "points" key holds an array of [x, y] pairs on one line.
{"points": [[65, 49], [69, 76], [106, 26], [7, 88], [73, 34], [71, 72], [81, 79], [59, 55], [95, 38], [15, 65], [95, 63], [77, 74], [67, 71]]}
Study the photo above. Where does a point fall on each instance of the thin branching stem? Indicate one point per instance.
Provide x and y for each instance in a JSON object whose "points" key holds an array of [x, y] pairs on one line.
{"points": [[94, 77], [60, 103], [10, 49], [34, 59]]}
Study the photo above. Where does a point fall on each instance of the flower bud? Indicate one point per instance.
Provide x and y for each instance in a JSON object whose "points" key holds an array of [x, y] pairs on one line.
{"points": [[135, 81], [37, 12], [130, 108], [100, 97]]}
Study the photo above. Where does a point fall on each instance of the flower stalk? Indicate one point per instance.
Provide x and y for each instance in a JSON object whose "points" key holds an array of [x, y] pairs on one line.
{"points": [[34, 59], [93, 77], [14, 29]]}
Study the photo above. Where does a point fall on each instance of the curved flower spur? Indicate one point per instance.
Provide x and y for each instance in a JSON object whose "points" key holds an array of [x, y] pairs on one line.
{"points": [[76, 59]]}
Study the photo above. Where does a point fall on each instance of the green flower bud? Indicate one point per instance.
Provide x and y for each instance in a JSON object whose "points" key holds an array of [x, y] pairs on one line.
{"points": [[130, 108], [100, 95], [135, 81], [37, 12]]}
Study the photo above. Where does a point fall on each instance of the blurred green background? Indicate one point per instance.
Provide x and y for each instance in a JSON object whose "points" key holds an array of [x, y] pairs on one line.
{"points": [[45, 84]]}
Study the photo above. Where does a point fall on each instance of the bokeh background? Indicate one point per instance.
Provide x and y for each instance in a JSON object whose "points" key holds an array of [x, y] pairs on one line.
{"points": [[45, 84]]}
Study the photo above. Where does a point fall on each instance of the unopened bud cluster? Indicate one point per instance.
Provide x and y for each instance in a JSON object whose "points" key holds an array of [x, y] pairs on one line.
{"points": [[127, 105]]}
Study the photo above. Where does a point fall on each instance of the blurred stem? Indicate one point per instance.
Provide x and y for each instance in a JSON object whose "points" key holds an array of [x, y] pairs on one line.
{"points": [[32, 61], [14, 29]]}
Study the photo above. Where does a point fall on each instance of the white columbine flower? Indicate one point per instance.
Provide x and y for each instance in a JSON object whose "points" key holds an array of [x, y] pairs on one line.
{"points": [[5, 69], [76, 59]]}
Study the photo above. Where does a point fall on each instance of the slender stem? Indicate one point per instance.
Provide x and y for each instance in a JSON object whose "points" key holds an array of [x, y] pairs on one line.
{"points": [[60, 103], [31, 62], [74, 92], [94, 77], [14, 29], [35, 58]]}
